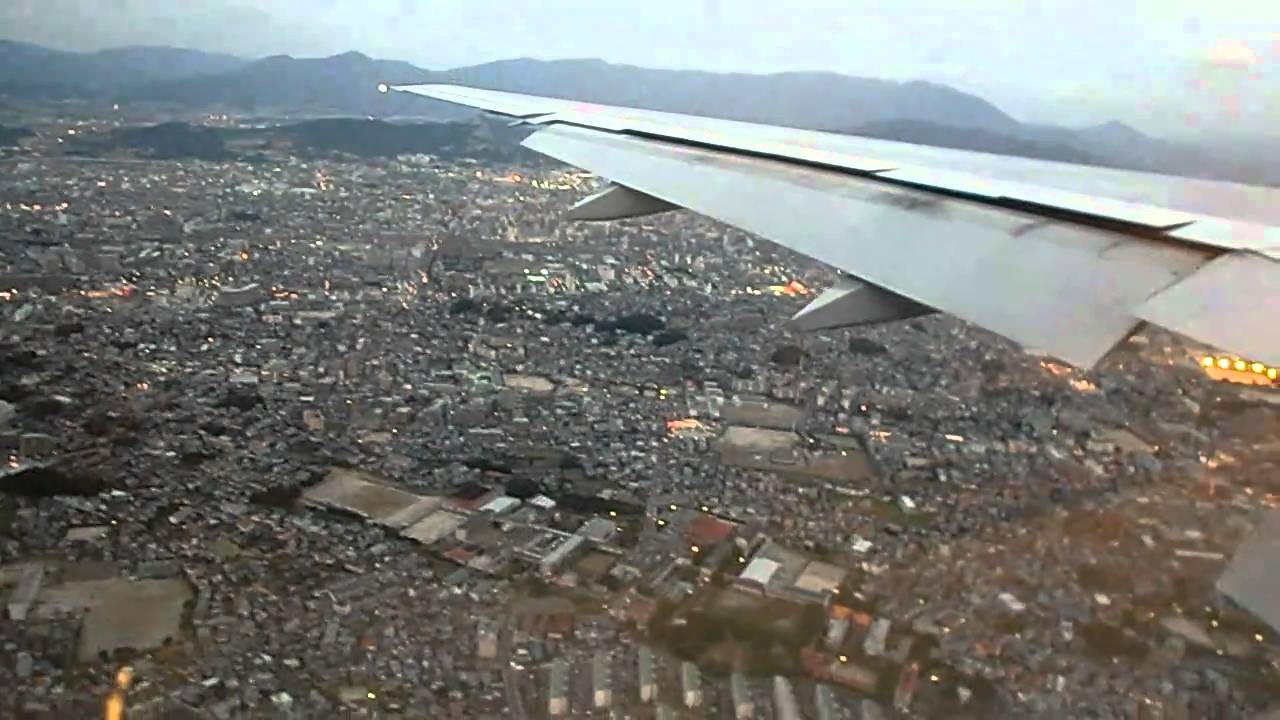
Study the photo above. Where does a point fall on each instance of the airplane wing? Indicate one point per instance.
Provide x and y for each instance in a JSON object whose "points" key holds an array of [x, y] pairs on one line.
{"points": [[1064, 259]]}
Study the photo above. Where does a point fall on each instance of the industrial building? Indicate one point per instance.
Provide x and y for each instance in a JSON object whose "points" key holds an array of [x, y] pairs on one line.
{"points": [[785, 574]]}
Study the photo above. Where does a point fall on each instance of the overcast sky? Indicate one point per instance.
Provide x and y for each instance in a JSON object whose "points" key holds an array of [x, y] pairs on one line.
{"points": [[1164, 65]]}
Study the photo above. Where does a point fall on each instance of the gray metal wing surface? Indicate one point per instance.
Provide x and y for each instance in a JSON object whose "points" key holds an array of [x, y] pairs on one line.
{"points": [[1064, 259]]}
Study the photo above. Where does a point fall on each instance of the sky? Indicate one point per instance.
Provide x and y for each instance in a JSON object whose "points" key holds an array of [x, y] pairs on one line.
{"points": [[1176, 67]]}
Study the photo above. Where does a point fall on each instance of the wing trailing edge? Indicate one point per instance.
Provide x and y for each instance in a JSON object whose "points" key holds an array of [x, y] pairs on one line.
{"points": [[1066, 259]]}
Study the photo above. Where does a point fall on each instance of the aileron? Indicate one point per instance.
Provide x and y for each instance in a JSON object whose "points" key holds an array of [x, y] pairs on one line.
{"points": [[1233, 302]]}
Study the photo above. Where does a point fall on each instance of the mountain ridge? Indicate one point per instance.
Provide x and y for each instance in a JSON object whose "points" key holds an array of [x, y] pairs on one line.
{"points": [[345, 84], [34, 71]]}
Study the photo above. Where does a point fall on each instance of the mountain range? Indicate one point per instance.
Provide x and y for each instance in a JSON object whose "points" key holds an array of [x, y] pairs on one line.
{"points": [[32, 71], [919, 112]]}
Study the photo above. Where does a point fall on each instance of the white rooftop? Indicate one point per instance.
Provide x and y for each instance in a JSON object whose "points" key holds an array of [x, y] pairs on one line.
{"points": [[500, 504], [759, 570]]}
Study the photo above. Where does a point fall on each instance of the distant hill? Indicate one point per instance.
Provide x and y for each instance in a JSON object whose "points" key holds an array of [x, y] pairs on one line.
{"points": [[375, 138], [310, 138], [32, 71], [173, 140], [345, 85], [815, 100]]}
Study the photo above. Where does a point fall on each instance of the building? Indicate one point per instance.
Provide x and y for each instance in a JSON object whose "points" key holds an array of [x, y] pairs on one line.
{"points": [[819, 581], [757, 574], [740, 692], [785, 706], [434, 527], [778, 572], [852, 674], [486, 643], [691, 684], [562, 553], [648, 680], [601, 680], [598, 529], [824, 700], [558, 689], [500, 505], [837, 629], [874, 643]]}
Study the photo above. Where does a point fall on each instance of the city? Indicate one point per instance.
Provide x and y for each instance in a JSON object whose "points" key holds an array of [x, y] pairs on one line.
{"points": [[309, 434]]}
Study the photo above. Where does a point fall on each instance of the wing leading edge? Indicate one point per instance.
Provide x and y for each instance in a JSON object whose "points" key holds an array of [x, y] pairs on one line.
{"points": [[1063, 259]]}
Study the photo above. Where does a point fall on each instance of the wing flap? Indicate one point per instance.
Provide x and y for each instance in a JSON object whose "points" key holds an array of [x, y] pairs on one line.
{"points": [[1233, 302], [1155, 218], [1065, 289]]}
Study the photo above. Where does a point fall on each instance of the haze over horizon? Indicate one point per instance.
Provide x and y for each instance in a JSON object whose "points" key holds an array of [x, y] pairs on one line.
{"points": [[1156, 64]]}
